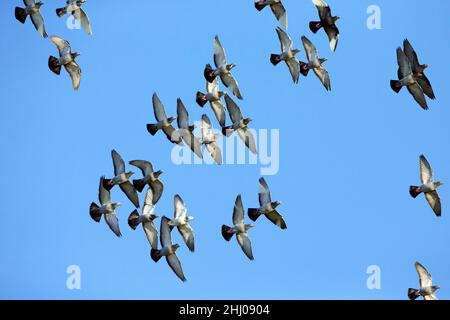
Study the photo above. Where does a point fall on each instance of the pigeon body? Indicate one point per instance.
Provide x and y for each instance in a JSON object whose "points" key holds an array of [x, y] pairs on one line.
{"points": [[181, 221], [327, 22], [428, 186], [213, 96], [427, 289], [287, 55], [209, 139], [150, 178], [66, 59], [240, 229], [74, 7], [186, 130], [277, 8], [107, 209], [32, 9], [315, 63], [266, 206]]}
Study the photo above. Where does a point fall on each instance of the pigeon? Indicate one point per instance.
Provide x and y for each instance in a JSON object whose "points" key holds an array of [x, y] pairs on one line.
{"points": [[107, 209], [122, 179], [209, 139], [239, 125], [222, 69], [314, 63], [181, 221], [164, 123], [427, 290], [287, 55], [32, 9], [428, 187], [168, 249], [213, 95], [406, 79], [277, 8], [186, 130], [418, 69], [66, 59], [146, 219], [267, 207], [240, 229], [327, 21], [74, 7], [150, 178]]}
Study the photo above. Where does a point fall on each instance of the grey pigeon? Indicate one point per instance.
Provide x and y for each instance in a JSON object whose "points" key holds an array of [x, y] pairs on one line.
{"points": [[239, 124], [428, 186], [32, 9], [213, 96], [287, 55], [223, 70], [266, 206], [427, 289], [168, 249], [107, 209], [74, 7], [209, 139], [239, 229], [164, 123], [418, 69], [122, 179], [327, 22], [315, 63], [150, 178], [66, 59], [186, 130], [181, 221], [407, 79], [146, 219], [277, 8]]}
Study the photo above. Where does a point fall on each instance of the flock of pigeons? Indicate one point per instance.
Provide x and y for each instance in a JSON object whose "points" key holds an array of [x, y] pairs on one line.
{"points": [[410, 74]]}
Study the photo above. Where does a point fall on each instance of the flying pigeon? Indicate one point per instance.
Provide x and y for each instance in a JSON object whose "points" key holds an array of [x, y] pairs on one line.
{"points": [[428, 187], [150, 178], [418, 69], [146, 219], [239, 125], [287, 55], [168, 249], [164, 123], [209, 139], [240, 229], [74, 7], [222, 69], [427, 290], [406, 79], [277, 8], [327, 21], [122, 179], [266, 206], [186, 130], [314, 63], [32, 9], [107, 209], [213, 96], [181, 221], [66, 59]]}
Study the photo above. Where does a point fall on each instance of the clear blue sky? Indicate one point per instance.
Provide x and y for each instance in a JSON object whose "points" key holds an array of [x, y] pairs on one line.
{"points": [[346, 157]]}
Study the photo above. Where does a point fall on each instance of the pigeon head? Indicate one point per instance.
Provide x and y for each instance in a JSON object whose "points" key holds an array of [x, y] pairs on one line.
{"points": [[171, 119], [129, 174], [75, 54], [116, 205], [276, 204], [247, 121], [175, 247], [248, 226], [295, 51], [231, 66], [157, 173], [39, 4], [336, 18]]}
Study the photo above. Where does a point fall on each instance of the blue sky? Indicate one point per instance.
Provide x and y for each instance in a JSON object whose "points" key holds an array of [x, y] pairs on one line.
{"points": [[346, 157]]}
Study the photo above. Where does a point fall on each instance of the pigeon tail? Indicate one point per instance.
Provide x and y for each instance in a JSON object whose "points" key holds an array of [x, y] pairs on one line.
{"points": [[304, 68], [139, 184], [414, 191], [253, 214], [21, 14], [54, 65], [209, 73], [61, 11], [94, 212], [133, 219], [152, 128], [275, 59], [413, 294], [227, 232], [259, 5], [315, 26], [396, 86], [107, 184], [155, 254], [199, 99]]}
